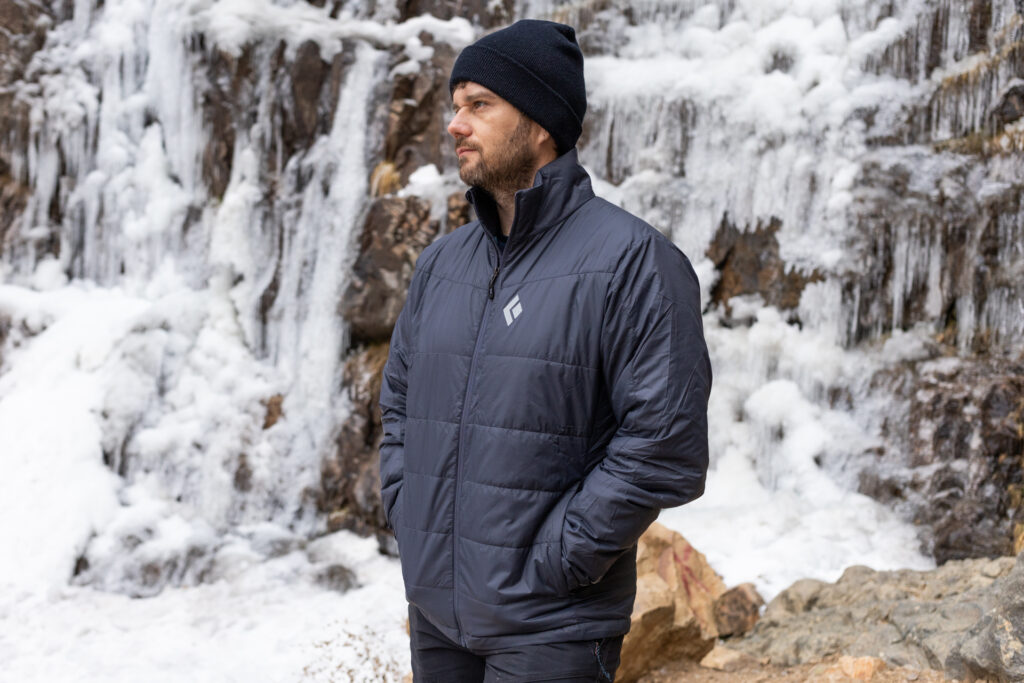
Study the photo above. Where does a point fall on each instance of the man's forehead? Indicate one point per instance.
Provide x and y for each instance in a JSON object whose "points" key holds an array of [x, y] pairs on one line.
{"points": [[469, 89]]}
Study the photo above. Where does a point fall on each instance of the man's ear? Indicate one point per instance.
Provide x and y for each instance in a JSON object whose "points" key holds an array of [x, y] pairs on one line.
{"points": [[543, 138]]}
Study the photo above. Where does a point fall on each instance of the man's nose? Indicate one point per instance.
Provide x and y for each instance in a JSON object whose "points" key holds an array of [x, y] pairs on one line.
{"points": [[458, 128]]}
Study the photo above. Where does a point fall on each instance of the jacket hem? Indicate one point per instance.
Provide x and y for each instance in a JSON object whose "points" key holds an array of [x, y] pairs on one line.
{"points": [[589, 630]]}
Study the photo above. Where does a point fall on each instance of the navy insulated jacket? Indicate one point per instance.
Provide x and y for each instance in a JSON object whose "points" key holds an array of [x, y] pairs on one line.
{"points": [[540, 406]]}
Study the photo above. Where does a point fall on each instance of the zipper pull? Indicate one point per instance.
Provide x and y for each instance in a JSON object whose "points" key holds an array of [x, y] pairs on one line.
{"points": [[490, 285]]}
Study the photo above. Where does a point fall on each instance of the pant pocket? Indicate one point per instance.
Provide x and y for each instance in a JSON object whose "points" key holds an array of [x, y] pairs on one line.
{"points": [[606, 652]]}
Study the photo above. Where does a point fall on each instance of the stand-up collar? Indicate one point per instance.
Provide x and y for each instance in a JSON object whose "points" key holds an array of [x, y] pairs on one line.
{"points": [[559, 188]]}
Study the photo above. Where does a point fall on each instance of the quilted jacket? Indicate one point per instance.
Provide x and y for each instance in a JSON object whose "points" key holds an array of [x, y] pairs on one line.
{"points": [[540, 405]]}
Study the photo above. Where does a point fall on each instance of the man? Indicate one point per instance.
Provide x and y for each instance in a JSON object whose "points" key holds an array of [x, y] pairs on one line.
{"points": [[546, 389]]}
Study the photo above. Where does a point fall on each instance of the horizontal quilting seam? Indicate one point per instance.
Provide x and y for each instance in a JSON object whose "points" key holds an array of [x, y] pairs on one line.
{"points": [[572, 435], [423, 585], [505, 285], [505, 545], [440, 353], [426, 531], [531, 489], [456, 282], [543, 360], [424, 474], [431, 419], [474, 285]]}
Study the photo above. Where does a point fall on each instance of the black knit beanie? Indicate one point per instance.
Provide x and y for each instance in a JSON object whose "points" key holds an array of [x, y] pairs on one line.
{"points": [[538, 67]]}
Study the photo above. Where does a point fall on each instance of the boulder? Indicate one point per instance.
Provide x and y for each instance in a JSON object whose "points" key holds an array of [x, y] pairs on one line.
{"points": [[673, 615], [993, 649], [737, 610]]}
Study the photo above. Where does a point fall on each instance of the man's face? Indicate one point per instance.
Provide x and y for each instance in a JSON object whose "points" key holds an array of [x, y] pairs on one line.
{"points": [[496, 144]]}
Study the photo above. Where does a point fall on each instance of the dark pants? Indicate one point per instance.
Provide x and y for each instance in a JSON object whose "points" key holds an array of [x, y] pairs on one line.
{"points": [[436, 659]]}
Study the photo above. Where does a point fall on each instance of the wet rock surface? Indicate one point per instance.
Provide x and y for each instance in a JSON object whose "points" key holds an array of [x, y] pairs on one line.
{"points": [[955, 463], [350, 481], [486, 13], [418, 101], [23, 26], [748, 263], [394, 233]]}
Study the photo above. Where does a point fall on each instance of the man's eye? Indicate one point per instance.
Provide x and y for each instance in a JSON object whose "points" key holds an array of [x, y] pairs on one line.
{"points": [[478, 104]]}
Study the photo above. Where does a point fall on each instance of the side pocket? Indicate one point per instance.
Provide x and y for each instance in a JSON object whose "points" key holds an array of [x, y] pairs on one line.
{"points": [[396, 512], [544, 566]]}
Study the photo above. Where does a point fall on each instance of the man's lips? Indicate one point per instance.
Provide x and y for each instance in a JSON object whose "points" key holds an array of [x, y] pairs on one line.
{"points": [[462, 150]]}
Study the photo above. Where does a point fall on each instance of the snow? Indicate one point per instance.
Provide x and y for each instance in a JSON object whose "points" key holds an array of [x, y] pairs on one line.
{"points": [[268, 621]]}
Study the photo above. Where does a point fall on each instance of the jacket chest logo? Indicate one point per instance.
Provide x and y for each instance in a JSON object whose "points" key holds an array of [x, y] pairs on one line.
{"points": [[512, 310]]}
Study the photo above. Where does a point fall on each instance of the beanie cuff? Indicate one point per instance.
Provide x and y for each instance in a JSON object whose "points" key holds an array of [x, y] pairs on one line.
{"points": [[522, 88]]}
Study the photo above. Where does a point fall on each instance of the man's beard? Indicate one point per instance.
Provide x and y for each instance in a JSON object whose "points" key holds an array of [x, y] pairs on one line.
{"points": [[510, 167]]}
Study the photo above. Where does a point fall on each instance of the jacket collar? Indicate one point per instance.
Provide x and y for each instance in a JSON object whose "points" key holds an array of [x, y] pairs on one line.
{"points": [[559, 188]]}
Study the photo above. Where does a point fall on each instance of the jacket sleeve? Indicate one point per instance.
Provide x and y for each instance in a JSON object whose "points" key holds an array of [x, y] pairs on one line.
{"points": [[658, 376], [393, 389]]}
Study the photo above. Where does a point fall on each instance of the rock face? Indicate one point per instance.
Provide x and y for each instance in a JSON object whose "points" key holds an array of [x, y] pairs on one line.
{"points": [[748, 263], [23, 25], [673, 616], [994, 647], [396, 230], [416, 133], [350, 481], [907, 618], [961, 435]]}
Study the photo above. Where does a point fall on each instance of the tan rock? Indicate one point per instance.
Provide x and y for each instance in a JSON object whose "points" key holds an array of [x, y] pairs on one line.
{"points": [[857, 668], [673, 615], [385, 179], [737, 610], [722, 658]]}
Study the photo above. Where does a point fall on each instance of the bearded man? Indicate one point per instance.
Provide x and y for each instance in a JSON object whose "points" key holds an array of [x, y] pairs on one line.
{"points": [[546, 389]]}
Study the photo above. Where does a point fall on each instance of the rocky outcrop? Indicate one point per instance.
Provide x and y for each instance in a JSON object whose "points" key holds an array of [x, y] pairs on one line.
{"points": [[673, 615], [993, 649], [749, 263], [394, 233], [416, 134], [350, 481], [486, 13], [956, 459], [297, 94], [938, 251], [23, 26], [907, 618]]}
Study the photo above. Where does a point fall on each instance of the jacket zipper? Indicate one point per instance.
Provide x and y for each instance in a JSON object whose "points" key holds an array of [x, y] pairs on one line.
{"points": [[462, 438], [465, 408]]}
